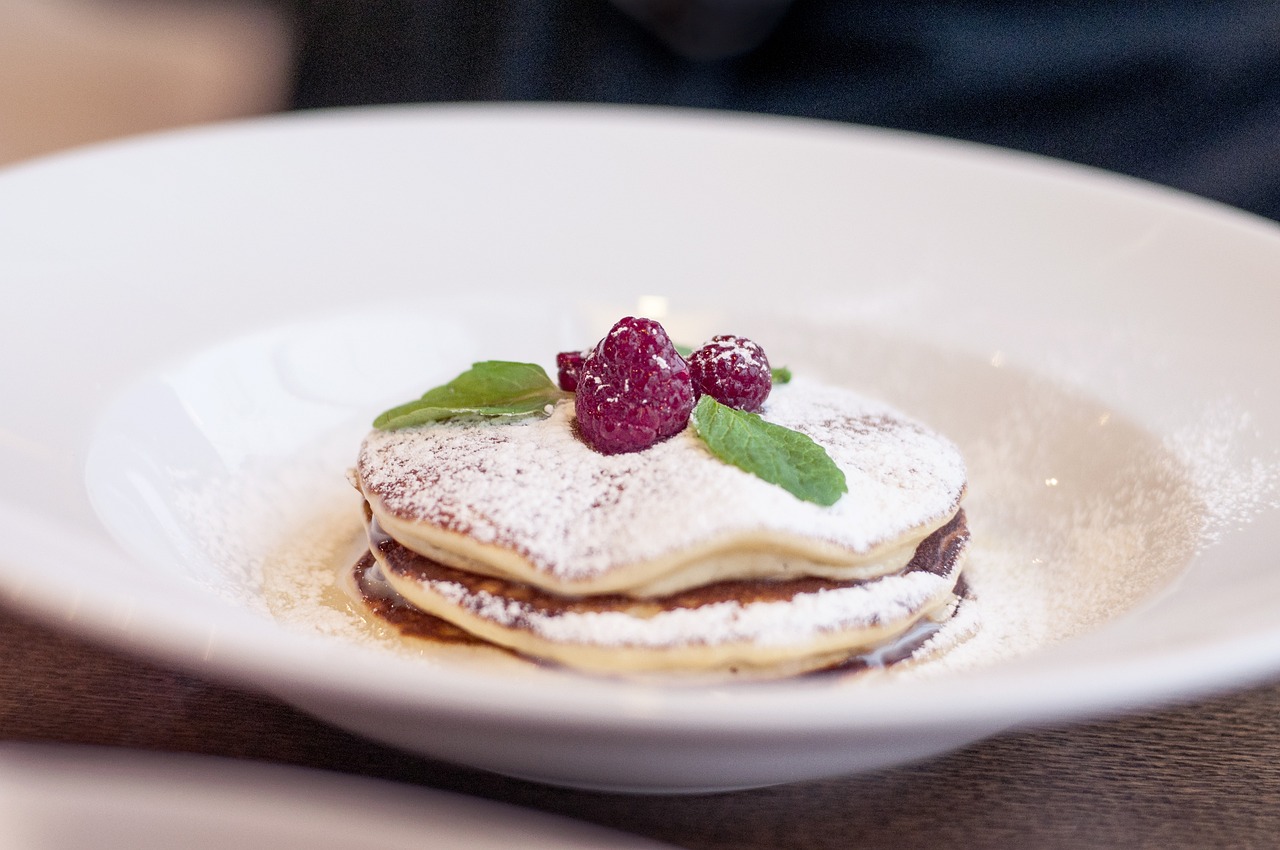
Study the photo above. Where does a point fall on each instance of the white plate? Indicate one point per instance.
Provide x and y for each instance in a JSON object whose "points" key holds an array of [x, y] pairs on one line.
{"points": [[68, 798], [199, 326]]}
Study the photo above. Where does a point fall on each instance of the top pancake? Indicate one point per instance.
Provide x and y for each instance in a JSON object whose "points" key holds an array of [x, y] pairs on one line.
{"points": [[529, 501]]}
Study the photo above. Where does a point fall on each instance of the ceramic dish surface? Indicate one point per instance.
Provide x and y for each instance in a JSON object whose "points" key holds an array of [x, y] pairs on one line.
{"points": [[68, 798], [200, 326]]}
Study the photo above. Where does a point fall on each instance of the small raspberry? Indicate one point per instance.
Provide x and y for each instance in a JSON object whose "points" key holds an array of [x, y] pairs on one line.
{"points": [[568, 366], [733, 370], [633, 389]]}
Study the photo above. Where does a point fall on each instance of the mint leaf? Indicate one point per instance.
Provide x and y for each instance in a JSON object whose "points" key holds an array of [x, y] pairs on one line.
{"points": [[781, 375], [779, 455], [494, 388], [683, 350]]}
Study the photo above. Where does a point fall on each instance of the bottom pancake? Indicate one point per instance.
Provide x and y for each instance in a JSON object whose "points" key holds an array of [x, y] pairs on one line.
{"points": [[756, 627]]}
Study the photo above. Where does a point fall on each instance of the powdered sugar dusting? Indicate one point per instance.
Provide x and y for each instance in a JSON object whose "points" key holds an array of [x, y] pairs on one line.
{"points": [[726, 349], [534, 487], [1078, 515], [794, 622], [1234, 486]]}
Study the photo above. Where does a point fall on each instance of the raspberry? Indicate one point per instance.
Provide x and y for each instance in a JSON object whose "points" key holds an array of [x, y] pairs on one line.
{"points": [[633, 389], [733, 370], [568, 366]]}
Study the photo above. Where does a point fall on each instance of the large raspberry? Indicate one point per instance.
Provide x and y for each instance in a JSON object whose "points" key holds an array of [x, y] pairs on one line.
{"points": [[633, 389], [733, 370]]}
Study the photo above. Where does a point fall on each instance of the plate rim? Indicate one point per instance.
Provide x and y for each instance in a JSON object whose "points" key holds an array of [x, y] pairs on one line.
{"points": [[817, 708]]}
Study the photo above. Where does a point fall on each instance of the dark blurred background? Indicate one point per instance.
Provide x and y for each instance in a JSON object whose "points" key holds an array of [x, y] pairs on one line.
{"points": [[1182, 93]]}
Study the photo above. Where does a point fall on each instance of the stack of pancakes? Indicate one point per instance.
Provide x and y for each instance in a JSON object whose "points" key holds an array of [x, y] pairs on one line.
{"points": [[668, 560]]}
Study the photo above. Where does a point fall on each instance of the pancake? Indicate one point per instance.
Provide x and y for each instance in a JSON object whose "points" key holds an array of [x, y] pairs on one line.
{"points": [[529, 502], [783, 626], [516, 535]]}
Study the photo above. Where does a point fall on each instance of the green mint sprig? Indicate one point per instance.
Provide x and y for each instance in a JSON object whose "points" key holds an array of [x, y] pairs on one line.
{"points": [[779, 455], [492, 388]]}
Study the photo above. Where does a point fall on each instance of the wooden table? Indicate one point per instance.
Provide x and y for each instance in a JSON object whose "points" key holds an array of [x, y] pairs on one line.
{"points": [[1200, 775]]}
